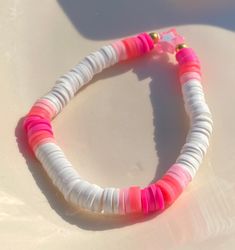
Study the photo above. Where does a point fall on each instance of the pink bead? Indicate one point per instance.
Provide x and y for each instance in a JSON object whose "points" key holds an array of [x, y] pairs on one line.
{"points": [[144, 201], [48, 105], [149, 40], [152, 197], [167, 190], [188, 59], [39, 127], [120, 49], [38, 122], [159, 199], [184, 52], [133, 204], [144, 42], [186, 55], [139, 45]]}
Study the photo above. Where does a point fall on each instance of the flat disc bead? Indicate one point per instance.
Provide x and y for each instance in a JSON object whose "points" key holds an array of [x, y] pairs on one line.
{"points": [[158, 197], [189, 76], [185, 52], [144, 42], [167, 191], [144, 201], [178, 187], [126, 200], [131, 48], [134, 200], [183, 69], [153, 197]]}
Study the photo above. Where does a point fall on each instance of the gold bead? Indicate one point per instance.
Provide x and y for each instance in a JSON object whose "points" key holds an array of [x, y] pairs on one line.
{"points": [[180, 46], [154, 36]]}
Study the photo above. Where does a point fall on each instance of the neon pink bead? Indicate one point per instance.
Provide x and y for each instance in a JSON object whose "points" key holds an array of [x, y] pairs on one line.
{"points": [[167, 191], [173, 182], [144, 201], [131, 48], [156, 201], [159, 199], [139, 45], [37, 122], [43, 113], [149, 40], [184, 52], [39, 127], [151, 192], [29, 120], [133, 204], [188, 59], [144, 42], [184, 69]]}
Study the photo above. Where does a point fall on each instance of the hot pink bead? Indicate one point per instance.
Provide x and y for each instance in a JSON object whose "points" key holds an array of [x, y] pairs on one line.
{"points": [[40, 127], [29, 120], [184, 52], [38, 122], [149, 40], [144, 201], [160, 199], [151, 193], [133, 204], [186, 55], [174, 183], [139, 45]]}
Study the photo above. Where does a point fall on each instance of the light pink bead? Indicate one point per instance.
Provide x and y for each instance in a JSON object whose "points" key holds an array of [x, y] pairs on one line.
{"points": [[188, 76], [120, 49], [48, 105], [180, 173]]}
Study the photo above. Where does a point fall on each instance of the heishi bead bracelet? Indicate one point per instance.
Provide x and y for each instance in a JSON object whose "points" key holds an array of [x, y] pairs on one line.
{"points": [[156, 196]]}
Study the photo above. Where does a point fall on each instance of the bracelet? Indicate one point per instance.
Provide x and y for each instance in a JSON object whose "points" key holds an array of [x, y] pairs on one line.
{"points": [[157, 196]]}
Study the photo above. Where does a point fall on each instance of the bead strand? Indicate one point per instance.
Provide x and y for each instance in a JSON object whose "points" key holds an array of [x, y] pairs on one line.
{"points": [[156, 196]]}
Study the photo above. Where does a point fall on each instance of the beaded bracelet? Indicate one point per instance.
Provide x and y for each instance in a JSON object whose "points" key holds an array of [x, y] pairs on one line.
{"points": [[134, 199]]}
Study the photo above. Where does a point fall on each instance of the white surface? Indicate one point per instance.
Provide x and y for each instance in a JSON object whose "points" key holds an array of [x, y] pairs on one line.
{"points": [[125, 129]]}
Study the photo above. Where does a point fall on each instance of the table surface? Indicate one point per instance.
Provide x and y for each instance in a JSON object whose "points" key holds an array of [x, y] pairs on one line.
{"points": [[125, 128]]}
